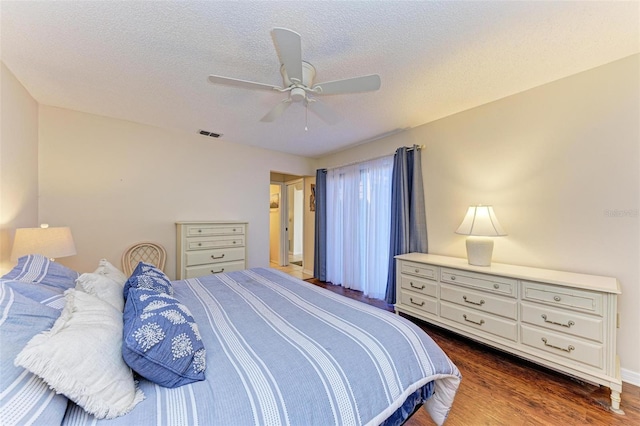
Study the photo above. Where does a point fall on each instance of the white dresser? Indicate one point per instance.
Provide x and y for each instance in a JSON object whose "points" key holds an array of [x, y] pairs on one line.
{"points": [[204, 248], [561, 320]]}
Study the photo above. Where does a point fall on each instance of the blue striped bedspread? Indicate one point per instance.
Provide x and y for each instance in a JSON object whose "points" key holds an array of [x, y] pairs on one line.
{"points": [[281, 351]]}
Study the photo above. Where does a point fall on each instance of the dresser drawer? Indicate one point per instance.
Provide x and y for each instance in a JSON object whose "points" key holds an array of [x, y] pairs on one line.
{"points": [[562, 321], [480, 321], [419, 285], [202, 257], [422, 303], [499, 285], [198, 271], [583, 300], [563, 346], [493, 304], [201, 230], [418, 269], [204, 243]]}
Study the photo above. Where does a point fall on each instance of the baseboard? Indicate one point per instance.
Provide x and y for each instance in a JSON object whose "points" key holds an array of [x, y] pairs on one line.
{"points": [[307, 272], [631, 377]]}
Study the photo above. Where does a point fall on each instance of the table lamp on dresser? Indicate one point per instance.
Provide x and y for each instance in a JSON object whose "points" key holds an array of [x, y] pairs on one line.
{"points": [[480, 224]]}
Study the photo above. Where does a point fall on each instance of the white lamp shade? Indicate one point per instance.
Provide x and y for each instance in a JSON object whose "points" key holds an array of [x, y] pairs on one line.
{"points": [[50, 242], [481, 221]]}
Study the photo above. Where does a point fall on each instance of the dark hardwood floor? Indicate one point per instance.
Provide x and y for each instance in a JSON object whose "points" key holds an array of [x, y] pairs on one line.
{"points": [[500, 389]]}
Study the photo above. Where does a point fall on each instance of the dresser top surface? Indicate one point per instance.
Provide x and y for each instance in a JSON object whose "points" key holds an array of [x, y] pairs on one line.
{"points": [[569, 279]]}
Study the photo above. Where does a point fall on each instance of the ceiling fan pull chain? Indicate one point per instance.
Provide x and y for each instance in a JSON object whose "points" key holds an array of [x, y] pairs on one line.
{"points": [[306, 116]]}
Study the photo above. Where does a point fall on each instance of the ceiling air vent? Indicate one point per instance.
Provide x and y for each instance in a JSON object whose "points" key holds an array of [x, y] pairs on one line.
{"points": [[208, 133]]}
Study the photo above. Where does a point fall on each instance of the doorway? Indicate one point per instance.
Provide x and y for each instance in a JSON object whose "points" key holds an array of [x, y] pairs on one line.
{"points": [[288, 224], [295, 222]]}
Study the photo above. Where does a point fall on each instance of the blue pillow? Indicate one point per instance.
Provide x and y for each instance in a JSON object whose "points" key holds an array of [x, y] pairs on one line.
{"points": [[149, 277], [161, 339], [24, 399], [35, 268]]}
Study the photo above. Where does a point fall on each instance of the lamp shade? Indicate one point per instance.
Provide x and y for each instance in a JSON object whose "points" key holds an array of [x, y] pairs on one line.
{"points": [[50, 242], [481, 221]]}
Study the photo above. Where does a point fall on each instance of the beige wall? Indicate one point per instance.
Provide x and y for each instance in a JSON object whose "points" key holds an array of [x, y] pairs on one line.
{"points": [[558, 163], [18, 162], [116, 182]]}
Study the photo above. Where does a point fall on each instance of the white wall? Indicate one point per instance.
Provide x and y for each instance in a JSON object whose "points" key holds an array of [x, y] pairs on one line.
{"points": [[558, 163], [18, 162], [116, 182]]}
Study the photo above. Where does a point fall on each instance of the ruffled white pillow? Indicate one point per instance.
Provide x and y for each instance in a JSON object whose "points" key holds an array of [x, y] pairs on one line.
{"points": [[81, 357], [103, 288], [107, 269]]}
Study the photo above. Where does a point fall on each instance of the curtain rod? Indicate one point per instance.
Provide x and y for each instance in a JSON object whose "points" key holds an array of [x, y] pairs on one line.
{"points": [[411, 148]]}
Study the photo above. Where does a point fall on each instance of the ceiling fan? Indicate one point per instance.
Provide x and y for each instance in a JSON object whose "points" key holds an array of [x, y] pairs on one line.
{"points": [[297, 76]]}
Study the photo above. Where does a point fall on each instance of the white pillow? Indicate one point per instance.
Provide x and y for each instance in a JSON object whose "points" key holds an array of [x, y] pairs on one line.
{"points": [[103, 288], [107, 269], [81, 357]]}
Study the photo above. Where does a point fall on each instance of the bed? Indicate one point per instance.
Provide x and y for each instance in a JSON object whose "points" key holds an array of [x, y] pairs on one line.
{"points": [[279, 351]]}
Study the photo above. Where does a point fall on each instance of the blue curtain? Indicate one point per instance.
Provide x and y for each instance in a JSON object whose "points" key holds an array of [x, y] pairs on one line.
{"points": [[320, 252], [408, 215]]}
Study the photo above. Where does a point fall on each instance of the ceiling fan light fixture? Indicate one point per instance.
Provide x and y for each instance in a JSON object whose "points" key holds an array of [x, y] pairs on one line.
{"points": [[298, 94]]}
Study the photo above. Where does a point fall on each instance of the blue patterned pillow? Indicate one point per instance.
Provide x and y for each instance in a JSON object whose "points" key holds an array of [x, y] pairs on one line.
{"points": [[35, 268], [161, 339], [149, 277]]}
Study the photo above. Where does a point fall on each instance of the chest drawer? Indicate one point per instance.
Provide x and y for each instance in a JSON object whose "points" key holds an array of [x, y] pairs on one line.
{"points": [[419, 285], [202, 257], [204, 243], [571, 298], [562, 321], [480, 321], [418, 269], [422, 303], [498, 285], [202, 230], [563, 346], [505, 307], [198, 271]]}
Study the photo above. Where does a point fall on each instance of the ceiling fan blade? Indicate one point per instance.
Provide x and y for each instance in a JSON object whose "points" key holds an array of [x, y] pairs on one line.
{"points": [[289, 49], [227, 81], [322, 110], [366, 83], [276, 111]]}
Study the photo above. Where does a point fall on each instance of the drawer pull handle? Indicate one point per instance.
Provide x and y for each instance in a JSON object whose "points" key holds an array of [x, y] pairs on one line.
{"points": [[234, 241], [199, 244], [415, 303], [475, 322], [496, 286], [480, 303], [199, 230], [217, 272], [217, 257], [234, 229], [453, 278], [415, 286], [568, 349], [417, 271], [569, 324], [557, 298]]}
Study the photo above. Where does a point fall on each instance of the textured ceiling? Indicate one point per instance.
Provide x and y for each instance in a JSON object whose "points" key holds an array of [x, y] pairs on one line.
{"points": [[148, 62]]}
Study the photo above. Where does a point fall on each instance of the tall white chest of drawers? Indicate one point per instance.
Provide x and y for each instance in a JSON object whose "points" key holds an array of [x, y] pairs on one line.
{"points": [[564, 321], [204, 248]]}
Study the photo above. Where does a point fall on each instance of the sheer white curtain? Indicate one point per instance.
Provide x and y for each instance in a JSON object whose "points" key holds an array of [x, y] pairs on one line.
{"points": [[358, 225]]}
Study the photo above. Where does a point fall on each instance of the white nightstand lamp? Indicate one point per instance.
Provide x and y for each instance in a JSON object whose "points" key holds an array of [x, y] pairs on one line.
{"points": [[479, 224], [50, 242]]}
